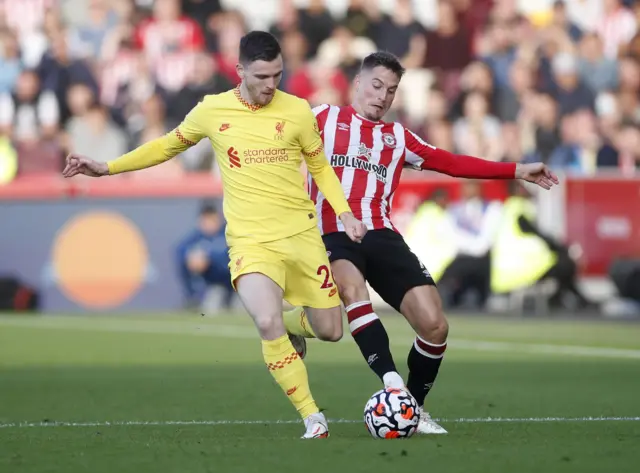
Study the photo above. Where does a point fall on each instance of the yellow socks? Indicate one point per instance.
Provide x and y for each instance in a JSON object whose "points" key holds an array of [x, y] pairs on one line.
{"points": [[297, 323], [289, 371]]}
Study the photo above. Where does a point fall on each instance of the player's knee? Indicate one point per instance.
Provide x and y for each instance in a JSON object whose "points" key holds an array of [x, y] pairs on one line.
{"points": [[330, 334], [269, 326], [441, 328], [434, 327], [331, 329], [351, 293]]}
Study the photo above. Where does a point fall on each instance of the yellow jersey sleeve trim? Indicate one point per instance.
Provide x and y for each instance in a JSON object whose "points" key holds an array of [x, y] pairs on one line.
{"points": [[313, 154], [182, 139]]}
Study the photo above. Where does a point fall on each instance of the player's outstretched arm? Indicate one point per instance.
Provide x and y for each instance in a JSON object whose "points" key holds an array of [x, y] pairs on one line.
{"points": [[422, 155], [145, 156], [155, 152]]}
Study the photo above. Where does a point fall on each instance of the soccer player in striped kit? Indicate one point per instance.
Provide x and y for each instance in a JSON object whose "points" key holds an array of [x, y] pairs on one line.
{"points": [[368, 156]]}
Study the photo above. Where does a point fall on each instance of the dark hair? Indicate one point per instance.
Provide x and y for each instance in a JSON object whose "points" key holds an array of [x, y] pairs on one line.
{"points": [[258, 46], [384, 59], [208, 208], [439, 193]]}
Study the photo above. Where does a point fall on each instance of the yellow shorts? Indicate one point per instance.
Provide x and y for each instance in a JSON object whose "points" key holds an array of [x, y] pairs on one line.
{"points": [[298, 264]]}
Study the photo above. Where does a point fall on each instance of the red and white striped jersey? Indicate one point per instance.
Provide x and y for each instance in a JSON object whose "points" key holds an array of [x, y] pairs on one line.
{"points": [[368, 158], [25, 16]]}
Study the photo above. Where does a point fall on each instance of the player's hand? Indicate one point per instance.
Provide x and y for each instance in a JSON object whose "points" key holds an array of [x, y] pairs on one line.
{"points": [[80, 165], [354, 228], [538, 173]]}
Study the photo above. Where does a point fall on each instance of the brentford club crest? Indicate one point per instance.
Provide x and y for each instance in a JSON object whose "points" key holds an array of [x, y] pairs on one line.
{"points": [[389, 140]]}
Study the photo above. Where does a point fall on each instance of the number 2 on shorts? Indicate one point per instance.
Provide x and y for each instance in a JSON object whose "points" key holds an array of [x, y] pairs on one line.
{"points": [[327, 275]]}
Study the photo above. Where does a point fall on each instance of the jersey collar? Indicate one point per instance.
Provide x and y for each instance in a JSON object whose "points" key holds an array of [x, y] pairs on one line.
{"points": [[250, 106]]}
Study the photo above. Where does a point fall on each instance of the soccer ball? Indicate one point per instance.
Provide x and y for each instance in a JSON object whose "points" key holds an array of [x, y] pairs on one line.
{"points": [[391, 413]]}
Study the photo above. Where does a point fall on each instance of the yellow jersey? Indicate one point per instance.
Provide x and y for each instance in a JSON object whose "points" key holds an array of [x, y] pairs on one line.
{"points": [[259, 151]]}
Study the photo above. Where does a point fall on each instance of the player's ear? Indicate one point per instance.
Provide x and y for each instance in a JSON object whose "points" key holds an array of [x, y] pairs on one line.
{"points": [[240, 70], [356, 81]]}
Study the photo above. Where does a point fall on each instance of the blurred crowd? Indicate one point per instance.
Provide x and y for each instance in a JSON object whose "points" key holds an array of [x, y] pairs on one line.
{"points": [[512, 80]]}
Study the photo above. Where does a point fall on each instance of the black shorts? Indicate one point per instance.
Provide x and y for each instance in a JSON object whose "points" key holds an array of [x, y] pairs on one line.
{"points": [[385, 261]]}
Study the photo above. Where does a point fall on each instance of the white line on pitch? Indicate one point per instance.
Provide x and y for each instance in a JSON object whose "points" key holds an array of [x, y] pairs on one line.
{"points": [[233, 331], [162, 423]]}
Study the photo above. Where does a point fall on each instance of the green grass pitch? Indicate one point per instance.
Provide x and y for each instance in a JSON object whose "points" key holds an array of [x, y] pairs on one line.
{"points": [[176, 393]]}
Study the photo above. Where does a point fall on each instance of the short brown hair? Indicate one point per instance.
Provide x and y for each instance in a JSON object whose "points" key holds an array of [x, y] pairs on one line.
{"points": [[385, 59]]}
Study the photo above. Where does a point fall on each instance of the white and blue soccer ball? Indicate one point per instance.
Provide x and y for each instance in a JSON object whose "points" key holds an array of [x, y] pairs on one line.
{"points": [[391, 413]]}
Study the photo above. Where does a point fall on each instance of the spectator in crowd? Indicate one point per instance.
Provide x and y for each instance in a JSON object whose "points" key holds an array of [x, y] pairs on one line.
{"points": [[201, 10], [59, 71], [627, 143], [204, 80], [596, 71], [477, 133], [150, 123], [203, 261], [343, 50], [402, 35], [560, 19], [511, 97], [476, 77], [317, 23], [30, 118], [448, 47], [545, 127], [440, 134], [95, 134], [87, 39], [473, 66], [230, 29], [475, 222], [294, 47], [30, 112], [498, 51], [10, 62], [524, 256], [361, 17], [168, 31], [431, 234], [571, 93], [616, 26], [583, 151]]}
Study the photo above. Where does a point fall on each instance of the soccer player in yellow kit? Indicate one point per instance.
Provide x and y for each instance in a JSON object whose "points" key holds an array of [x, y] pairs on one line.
{"points": [[260, 135]]}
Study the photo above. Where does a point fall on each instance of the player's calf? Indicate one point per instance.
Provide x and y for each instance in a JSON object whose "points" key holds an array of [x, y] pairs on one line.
{"points": [[263, 300], [422, 308], [326, 323], [323, 324], [364, 324]]}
